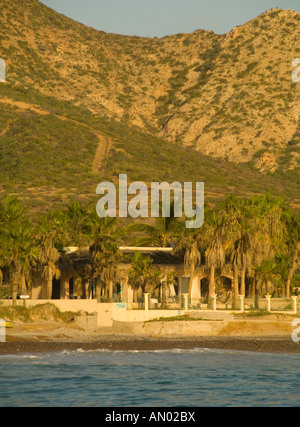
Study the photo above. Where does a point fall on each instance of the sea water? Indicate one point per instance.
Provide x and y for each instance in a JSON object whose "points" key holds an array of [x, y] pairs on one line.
{"points": [[162, 378]]}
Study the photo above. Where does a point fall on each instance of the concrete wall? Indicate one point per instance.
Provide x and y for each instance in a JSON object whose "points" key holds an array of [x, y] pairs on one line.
{"points": [[206, 328], [276, 303], [174, 328], [109, 313], [106, 313]]}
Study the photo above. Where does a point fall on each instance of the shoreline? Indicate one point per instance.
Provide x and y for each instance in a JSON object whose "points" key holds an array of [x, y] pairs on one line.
{"points": [[283, 345]]}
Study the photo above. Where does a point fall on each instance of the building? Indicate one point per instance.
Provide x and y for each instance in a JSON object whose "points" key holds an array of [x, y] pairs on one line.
{"points": [[72, 280]]}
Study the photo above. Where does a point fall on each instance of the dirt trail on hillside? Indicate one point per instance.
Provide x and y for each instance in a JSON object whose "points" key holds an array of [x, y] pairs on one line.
{"points": [[102, 151], [24, 106], [104, 143], [103, 148]]}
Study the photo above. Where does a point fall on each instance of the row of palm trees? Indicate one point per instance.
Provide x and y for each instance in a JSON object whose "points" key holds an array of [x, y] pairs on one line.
{"points": [[257, 238], [28, 247]]}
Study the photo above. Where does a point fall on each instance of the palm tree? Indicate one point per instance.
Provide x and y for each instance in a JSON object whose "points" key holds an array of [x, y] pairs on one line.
{"points": [[162, 234], [215, 248], [255, 233], [267, 271], [189, 244], [268, 232], [105, 236], [20, 253], [295, 263], [18, 249], [194, 244], [238, 230], [140, 271], [78, 217], [142, 274], [105, 265], [50, 233], [292, 222], [215, 258]]}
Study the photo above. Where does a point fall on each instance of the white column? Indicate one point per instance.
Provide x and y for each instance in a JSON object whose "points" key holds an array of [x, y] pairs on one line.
{"points": [[295, 298], [195, 292], [179, 290], [2, 330], [242, 297], [186, 301], [64, 287], [268, 298], [146, 301]]}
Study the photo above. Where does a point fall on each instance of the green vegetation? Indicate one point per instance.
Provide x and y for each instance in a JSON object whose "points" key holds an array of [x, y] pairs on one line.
{"points": [[261, 313], [64, 151], [39, 312], [256, 238], [254, 313], [183, 318], [33, 140]]}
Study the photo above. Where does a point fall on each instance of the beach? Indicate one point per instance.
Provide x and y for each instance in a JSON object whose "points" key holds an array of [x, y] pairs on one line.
{"points": [[46, 336]]}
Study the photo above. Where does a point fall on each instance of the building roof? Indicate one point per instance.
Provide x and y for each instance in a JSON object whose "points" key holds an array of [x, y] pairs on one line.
{"points": [[160, 256]]}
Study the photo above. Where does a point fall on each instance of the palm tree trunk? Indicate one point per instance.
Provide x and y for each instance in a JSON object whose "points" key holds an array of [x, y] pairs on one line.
{"points": [[49, 279], [98, 288], [14, 279], [253, 281], [291, 273], [243, 282], [83, 289], [49, 287], [149, 301], [235, 289], [88, 289], [14, 293], [288, 287], [283, 289], [257, 284], [292, 270], [211, 287], [110, 291], [192, 275], [150, 292], [23, 285], [164, 294]]}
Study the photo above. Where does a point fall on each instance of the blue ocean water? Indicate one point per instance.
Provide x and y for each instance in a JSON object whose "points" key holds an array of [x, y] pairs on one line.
{"points": [[173, 378]]}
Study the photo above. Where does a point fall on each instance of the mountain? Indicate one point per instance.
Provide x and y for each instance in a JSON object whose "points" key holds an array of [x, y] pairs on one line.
{"points": [[82, 105]]}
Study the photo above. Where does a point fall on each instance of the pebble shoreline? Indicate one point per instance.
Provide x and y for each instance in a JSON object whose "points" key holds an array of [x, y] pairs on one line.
{"points": [[253, 344]]}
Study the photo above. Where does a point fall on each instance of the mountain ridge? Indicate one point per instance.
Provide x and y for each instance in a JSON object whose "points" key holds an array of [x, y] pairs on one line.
{"points": [[213, 94]]}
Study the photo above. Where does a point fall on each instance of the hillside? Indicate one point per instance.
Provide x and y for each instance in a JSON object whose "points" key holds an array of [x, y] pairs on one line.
{"points": [[81, 105]]}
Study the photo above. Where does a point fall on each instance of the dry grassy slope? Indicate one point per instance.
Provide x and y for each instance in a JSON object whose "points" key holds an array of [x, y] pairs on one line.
{"points": [[249, 101], [111, 74], [229, 95]]}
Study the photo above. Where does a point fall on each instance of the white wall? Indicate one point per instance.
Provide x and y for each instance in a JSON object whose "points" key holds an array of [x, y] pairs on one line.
{"points": [[106, 313]]}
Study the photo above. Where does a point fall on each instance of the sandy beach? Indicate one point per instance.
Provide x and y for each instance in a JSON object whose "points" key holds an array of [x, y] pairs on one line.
{"points": [[57, 336]]}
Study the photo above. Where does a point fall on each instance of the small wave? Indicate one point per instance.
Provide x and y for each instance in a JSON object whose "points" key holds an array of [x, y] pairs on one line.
{"points": [[155, 351], [12, 357]]}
